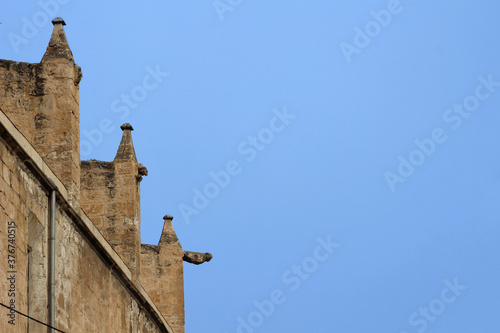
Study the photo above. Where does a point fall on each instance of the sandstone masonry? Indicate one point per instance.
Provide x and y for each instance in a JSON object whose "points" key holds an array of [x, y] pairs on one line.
{"points": [[105, 279]]}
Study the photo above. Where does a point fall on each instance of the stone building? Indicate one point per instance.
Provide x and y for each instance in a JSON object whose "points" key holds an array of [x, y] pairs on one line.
{"points": [[70, 243]]}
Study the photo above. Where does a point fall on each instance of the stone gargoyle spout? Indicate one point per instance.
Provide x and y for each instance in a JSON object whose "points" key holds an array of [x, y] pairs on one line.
{"points": [[196, 258]]}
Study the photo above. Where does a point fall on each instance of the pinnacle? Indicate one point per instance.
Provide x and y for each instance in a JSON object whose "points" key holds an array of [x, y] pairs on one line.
{"points": [[58, 45], [168, 235], [126, 149]]}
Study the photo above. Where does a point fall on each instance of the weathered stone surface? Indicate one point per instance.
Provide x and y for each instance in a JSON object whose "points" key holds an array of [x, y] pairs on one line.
{"points": [[42, 101], [196, 258], [110, 195], [162, 275], [106, 281], [90, 295]]}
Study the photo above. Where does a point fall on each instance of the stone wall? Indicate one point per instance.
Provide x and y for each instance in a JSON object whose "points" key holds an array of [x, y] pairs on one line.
{"points": [[20, 201], [94, 290], [18, 94], [106, 281]]}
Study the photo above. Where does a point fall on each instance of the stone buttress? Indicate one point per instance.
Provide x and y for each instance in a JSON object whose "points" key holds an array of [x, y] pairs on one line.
{"points": [[110, 196], [162, 274], [42, 100]]}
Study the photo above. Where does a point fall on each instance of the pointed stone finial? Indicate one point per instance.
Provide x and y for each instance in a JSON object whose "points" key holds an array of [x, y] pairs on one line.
{"points": [[58, 20], [58, 46], [126, 149], [168, 235]]}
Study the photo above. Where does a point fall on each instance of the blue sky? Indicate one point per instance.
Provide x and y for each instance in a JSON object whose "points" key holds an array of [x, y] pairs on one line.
{"points": [[338, 158]]}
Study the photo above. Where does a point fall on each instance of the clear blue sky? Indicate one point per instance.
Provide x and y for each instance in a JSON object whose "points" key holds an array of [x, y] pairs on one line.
{"points": [[370, 125]]}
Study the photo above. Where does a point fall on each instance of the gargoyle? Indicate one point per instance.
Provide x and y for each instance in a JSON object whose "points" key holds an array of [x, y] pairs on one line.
{"points": [[196, 258]]}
